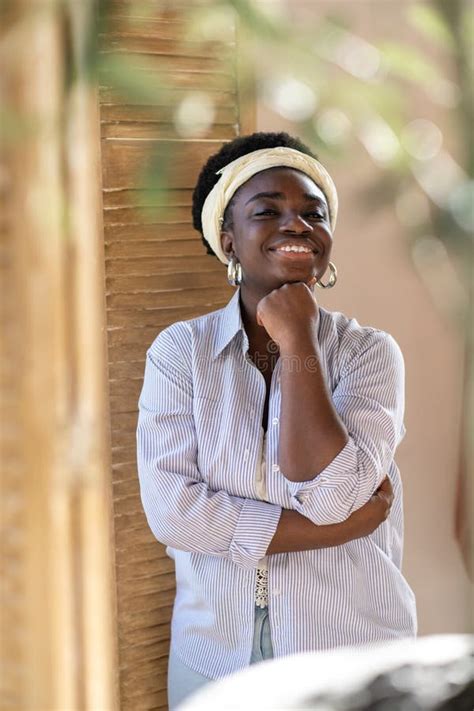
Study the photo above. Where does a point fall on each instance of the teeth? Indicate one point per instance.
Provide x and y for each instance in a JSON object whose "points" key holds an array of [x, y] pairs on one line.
{"points": [[293, 248]]}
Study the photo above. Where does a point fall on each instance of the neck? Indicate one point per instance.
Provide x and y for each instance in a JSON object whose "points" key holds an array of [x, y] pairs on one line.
{"points": [[248, 308]]}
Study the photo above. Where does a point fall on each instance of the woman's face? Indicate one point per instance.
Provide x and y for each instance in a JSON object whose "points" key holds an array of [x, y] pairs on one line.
{"points": [[279, 206]]}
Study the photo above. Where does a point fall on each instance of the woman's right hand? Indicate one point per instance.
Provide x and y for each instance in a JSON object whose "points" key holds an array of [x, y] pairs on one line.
{"points": [[369, 517]]}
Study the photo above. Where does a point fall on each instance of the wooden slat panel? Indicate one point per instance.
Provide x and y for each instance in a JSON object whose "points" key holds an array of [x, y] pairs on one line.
{"points": [[118, 287], [157, 633], [157, 272], [168, 82], [177, 69], [111, 112], [159, 609], [148, 198], [148, 551], [158, 215], [141, 232], [122, 423], [126, 318], [125, 161], [157, 248], [153, 57], [166, 46], [164, 265], [221, 131]]}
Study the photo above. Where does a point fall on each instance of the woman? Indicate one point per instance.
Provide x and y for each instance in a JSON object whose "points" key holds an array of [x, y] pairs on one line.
{"points": [[271, 492]]}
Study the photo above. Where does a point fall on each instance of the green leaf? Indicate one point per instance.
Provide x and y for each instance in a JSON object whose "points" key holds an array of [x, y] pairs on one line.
{"points": [[428, 21], [467, 30], [407, 63], [129, 80]]}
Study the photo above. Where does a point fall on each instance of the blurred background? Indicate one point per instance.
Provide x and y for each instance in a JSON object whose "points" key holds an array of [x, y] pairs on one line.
{"points": [[109, 109]]}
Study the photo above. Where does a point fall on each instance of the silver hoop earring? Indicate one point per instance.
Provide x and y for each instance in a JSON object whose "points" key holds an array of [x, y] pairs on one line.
{"points": [[234, 272], [332, 278]]}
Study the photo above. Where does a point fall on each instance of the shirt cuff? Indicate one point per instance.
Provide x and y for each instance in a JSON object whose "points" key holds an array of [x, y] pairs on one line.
{"points": [[329, 497], [246, 548]]}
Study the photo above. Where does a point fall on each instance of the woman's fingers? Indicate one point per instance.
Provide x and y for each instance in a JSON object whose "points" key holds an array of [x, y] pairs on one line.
{"points": [[386, 488], [385, 493]]}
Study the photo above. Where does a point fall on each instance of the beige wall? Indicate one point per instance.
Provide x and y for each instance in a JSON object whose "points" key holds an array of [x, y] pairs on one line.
{"points": [[379, 285]]}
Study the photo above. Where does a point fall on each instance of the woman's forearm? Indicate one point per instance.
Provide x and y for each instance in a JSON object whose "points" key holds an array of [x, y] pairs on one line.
{"points": [[296, 533], [311, 432]]}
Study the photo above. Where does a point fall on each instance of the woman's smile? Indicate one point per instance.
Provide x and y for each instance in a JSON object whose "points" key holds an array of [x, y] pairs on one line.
{"points": [[295, 250], [304, 257]]}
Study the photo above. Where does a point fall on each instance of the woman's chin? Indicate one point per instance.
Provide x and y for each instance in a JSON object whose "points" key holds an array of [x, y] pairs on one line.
{"points": [[293, 275]]}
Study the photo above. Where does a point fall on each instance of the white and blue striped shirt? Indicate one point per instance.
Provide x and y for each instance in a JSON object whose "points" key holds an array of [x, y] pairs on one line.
{"points": [[199, 443]]}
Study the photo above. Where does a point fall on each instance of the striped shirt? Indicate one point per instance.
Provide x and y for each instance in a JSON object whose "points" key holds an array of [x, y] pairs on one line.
{"points": [[261, 588], [199, 442]]}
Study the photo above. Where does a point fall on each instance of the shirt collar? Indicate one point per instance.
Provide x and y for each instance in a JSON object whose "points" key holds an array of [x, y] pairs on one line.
{"points": [[230, 323]]}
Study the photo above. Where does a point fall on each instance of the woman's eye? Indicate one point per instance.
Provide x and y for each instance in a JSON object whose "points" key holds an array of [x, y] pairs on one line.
{"points": [[268, 211], [317, 215]]}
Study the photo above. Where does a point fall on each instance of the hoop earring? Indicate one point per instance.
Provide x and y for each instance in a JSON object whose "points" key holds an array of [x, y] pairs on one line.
{"points": [[332, 278], [234, 272]]}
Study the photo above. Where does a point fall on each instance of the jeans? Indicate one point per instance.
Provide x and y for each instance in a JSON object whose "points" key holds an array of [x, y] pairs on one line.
{"points": [[182, 681]]}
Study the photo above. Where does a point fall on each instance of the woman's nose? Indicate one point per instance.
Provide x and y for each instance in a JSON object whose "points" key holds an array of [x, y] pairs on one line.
{"points": [[295, 223]]}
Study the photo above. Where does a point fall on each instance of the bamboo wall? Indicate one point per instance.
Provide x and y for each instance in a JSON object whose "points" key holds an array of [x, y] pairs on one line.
{"points": [[157, 272]]}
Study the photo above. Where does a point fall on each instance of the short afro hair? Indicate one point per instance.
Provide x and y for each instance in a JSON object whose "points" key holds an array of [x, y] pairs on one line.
{"points": [[231, 151]]}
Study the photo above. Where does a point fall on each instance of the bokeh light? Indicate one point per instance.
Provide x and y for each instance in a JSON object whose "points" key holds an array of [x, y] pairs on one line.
{"points": [[291, 98], [439, 176], [379, 140], [195, 114], [422, 139], [333, 126], [461, 204], [358, 57]]}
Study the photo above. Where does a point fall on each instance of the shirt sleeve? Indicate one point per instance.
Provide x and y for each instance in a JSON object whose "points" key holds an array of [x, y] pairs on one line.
{"points": [[370, 400], [181, 510]]}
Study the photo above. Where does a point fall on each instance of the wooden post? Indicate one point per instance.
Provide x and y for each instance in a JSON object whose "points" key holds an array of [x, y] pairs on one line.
{"points": [[57, 625]]}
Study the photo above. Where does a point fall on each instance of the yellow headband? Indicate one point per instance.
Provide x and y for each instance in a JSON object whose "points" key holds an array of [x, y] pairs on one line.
{"points": [[242, 169]]}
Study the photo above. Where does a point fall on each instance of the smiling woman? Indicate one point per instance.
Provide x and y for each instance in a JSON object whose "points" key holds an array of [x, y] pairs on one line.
{"points": [[267, 434]]}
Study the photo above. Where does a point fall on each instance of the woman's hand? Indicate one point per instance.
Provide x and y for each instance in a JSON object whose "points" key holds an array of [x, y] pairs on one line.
{"points": [[289, 314], [369, 517]]}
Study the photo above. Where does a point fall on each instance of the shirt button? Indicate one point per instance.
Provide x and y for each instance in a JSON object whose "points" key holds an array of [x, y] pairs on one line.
{"points": [[275, 421], [277, 591], [246, 455], [275, 467], [301, 498]]}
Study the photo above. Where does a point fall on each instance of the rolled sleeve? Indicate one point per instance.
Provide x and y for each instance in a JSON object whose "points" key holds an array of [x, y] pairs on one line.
{"points": [[246, 548], [183, 512], [370, 400]]}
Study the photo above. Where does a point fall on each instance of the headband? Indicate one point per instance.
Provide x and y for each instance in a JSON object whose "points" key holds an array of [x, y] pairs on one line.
{"points": [[235, 174]]}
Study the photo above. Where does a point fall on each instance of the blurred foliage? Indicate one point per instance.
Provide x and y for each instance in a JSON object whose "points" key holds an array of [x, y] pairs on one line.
{"points": [[336, 88], [369, 92]]}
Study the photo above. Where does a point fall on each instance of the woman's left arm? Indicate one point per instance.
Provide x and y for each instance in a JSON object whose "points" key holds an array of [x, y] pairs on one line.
{"points": [[335, 450]]}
